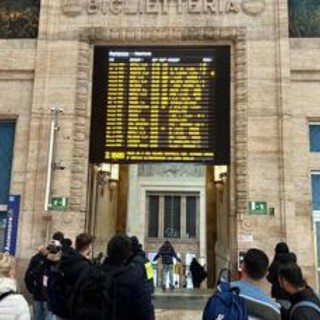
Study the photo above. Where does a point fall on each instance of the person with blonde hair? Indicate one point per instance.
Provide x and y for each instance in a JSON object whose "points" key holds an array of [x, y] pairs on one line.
{"points": [[13, 306]]}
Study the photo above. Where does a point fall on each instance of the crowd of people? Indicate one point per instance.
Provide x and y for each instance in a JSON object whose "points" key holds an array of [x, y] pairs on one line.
{"points": [[66, 283], [291, 298]]}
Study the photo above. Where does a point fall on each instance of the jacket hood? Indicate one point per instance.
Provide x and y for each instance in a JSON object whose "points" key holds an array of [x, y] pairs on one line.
{"points": [[70, 256], [111, 264], [7, 284]]}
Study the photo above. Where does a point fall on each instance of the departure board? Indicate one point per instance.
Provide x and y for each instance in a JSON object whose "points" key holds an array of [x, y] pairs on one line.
{"points": [[161, 105]]}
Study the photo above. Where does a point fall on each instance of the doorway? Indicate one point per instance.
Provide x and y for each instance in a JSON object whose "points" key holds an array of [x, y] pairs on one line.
{"points": [[183, 203]]}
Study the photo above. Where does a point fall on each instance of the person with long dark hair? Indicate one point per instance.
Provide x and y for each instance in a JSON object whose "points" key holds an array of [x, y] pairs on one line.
{"points": [[282, 256], [305, 304]]}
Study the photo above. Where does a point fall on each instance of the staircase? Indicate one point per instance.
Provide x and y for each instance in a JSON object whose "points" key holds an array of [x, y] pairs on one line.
{"points": [[181, 304]]}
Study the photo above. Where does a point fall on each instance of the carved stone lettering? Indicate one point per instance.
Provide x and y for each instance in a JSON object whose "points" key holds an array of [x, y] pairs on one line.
{"points": [[93, 6], [165, 6], [210, 6], [104, 7], [194, 6], [72, 7], [152, 6], [132, 7], [232, 6], [220, 6], [116, 6], [180, 6]]}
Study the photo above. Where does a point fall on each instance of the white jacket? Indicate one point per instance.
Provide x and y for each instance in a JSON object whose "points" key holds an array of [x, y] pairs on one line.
{"points": [[13, 306]]}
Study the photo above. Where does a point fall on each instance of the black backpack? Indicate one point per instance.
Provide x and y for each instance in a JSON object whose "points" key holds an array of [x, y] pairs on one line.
{"points": [[56, 292], [34, 275], [95, 294]]}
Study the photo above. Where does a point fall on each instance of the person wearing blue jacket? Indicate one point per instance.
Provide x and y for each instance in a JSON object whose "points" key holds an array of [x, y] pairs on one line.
{"points": [[167, 253]]}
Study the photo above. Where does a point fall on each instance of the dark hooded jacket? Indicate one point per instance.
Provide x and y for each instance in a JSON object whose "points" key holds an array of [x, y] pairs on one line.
{"points": [[132, 297], [272, 277], [139, 258], [304, 313], [34, 276], [72, 265]]}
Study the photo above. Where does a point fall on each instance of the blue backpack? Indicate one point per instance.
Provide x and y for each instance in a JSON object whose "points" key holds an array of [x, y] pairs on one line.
{"points": [[225, 304]]}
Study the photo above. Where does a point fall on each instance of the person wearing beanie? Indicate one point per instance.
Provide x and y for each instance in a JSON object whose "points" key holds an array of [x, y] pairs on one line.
{"points": [[133, 298], [139, 258], [12, 305]]}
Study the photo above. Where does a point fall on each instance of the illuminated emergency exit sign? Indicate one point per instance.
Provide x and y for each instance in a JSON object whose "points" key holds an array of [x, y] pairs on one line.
{"points": [[258, 207]]}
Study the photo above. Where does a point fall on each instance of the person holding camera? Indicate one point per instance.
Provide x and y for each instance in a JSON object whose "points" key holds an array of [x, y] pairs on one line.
{"points": [[36, 278]]}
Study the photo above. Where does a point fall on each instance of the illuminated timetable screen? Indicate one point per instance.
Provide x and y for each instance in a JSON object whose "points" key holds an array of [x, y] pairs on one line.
{"points": [[161, 104]]}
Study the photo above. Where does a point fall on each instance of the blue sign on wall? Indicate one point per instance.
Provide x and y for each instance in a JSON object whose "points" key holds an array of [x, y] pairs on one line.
{"points": [[11, 230]]}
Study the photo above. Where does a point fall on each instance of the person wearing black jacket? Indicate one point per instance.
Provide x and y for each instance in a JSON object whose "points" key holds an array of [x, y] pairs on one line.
{"points": [[291, 280], [197, 272], [139, 257], [132, 296], [73, 263], [282, 256], [34, 283]]}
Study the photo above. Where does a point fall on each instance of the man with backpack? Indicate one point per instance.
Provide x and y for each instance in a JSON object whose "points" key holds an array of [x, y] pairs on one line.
{"points": [[35, 278], [34, 283], [114, 291], [254, 270], [244, 299], [305, 305], [65, 277], [131, 298]]}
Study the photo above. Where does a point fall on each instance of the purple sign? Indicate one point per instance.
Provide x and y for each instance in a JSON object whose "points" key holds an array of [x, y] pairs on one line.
{"points": [[11, 230]]}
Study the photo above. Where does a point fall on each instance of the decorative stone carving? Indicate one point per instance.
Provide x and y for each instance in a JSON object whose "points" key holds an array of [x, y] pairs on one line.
{"points": [[72, 7], [161, 7], [170, 170], [253, 7], [247, 223]]}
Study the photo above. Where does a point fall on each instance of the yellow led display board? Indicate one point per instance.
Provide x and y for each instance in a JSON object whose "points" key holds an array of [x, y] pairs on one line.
{"points": [[160, 105]]}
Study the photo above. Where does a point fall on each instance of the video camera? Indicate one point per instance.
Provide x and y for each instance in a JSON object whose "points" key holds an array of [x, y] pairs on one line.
{"points": [[54, 247]]}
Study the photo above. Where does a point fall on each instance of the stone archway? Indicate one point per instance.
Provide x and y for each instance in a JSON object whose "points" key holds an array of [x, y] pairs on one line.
{"points": [[235, 37]]}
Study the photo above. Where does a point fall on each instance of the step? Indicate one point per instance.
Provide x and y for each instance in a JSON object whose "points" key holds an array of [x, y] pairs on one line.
{"points": [[181, 299]]}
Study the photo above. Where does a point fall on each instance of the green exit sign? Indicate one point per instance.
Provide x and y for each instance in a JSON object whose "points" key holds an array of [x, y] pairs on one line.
{"points": [[258, 207], [59, 203]]}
